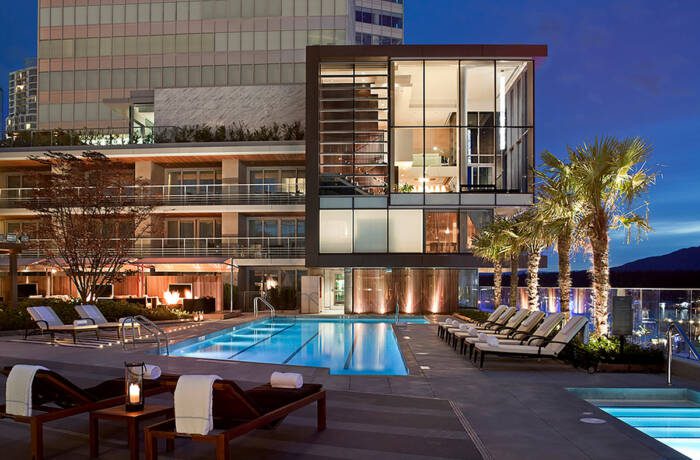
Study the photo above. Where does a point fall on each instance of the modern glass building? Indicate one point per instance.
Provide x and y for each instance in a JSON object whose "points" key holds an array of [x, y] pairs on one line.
{"points": [[113, 64], [22, 99], [410, 150]]}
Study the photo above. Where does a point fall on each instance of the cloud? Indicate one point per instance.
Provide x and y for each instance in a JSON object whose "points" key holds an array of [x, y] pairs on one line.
{"points": [[676, 227]]}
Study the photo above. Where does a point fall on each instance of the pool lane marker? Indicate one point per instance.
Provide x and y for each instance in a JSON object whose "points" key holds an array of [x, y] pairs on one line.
{"points": [[299, 349], [350, 353], [261, 341]]}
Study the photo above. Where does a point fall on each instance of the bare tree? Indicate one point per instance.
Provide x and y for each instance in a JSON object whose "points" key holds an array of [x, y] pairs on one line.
{"points": [[90, 217]]}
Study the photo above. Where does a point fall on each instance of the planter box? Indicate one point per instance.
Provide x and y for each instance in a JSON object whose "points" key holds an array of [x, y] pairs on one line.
{"points": [[205, 304], [638, 368]]}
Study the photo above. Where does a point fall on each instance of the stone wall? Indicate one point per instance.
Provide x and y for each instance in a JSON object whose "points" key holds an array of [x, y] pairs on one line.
{"points": [[216, 106]]}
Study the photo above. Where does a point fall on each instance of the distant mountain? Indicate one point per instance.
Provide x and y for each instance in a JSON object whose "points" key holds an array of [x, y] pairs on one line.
{"points": [[678, 269], [683, 260]]}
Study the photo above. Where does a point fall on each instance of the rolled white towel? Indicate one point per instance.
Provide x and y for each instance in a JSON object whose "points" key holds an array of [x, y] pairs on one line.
{"points": [[472, 331], [18, 389], [81, 322], [286, 380], [492, 340], [464, 327], [482, 337], [151, 372], [448, 321], [193, 404]]}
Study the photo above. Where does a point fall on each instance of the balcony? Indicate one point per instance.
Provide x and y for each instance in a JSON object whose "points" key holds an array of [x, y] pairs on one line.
{"points": [[123, 136], [184, 195], [229, 247]]}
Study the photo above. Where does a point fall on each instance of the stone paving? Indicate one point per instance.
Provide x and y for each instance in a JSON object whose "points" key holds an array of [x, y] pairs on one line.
{"points": [[446, 408]]}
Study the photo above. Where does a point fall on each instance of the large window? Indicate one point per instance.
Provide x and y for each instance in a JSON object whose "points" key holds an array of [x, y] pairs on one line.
{"points": [[346, 231], [193, 181], [461, 126], [287, 180], [353, 123]]}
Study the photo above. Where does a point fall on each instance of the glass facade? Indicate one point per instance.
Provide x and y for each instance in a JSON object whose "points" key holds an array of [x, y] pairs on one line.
{"points": [[343, 231], [91, 55], [454, 126]]}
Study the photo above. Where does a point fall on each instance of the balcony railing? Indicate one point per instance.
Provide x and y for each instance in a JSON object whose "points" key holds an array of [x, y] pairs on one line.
{"points": [[152, 135], [234, 247], [181, 195]]}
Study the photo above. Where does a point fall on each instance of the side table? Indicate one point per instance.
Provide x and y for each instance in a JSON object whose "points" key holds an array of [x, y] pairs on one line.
{"points": [[132, 420]]}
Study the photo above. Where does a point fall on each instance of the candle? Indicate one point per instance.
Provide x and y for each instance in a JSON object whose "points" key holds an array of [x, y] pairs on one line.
{"points": [[134, 394]]}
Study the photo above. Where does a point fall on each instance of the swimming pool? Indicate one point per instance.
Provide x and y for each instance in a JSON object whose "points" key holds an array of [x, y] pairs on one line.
{"points": [[347, 346], [669, 415]]}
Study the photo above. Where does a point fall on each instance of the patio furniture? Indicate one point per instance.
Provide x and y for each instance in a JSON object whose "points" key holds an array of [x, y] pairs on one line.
{"points": [[502, 321], [132, 420], [513, 323], [46, 320], [492, 317], [93, 314], [237, 412], [551, 349], [544, 332], [56, 398], [509, 334]]}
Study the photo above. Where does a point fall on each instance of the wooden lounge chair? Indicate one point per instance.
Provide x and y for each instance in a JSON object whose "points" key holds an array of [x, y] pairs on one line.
{"points": [[46, 320], [237, 412], [94, 315], [55, 397], [550, 349]]}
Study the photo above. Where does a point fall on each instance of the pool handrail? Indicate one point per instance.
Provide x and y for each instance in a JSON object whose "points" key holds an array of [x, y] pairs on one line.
{"points": [[692, 351]]}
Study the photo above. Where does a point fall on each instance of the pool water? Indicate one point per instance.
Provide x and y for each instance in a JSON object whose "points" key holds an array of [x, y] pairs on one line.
{"points": [[677, 427], [669, 415], [357, 346]]}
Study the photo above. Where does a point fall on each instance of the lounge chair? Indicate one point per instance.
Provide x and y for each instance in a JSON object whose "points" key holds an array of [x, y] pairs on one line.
{"points": [[46, 320], [56, 398], [93, 314], [237, 412], [530, 318], [492, 317], [500, 322], [544, 332], [550, 349]]}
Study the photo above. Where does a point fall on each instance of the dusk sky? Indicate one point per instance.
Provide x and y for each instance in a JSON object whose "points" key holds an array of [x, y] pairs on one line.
{"points": [[621, 68]]}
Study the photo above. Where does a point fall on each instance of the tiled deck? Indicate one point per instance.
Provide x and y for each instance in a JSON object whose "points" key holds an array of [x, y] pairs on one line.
{"points": [[518, 410]]}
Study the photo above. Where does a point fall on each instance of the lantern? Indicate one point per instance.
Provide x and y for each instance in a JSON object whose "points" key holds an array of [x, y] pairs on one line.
{"points": [[134, 386]]}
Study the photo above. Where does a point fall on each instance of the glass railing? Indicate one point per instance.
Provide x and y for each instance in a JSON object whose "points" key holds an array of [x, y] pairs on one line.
{"points": [[152, 135], [178, 195], [236, 247], [654, 309]]}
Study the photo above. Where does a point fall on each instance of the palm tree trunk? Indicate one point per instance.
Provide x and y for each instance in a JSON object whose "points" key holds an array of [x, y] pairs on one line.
{"points": [[513, 301], [533, 281], [497, 274], [601, 280], [564, 278]]}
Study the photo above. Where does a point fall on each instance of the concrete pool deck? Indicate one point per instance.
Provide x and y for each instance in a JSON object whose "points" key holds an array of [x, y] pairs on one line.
{"points": [[447, 408]]}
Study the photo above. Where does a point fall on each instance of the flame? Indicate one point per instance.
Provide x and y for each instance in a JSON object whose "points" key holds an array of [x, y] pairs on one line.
{"points": [[171, 297], [188, 294]]}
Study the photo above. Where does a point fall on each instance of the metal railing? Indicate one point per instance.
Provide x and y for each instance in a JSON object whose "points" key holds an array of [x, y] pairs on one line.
{"points": [[256, 306], [673, 346], [180, 195], [236, 247], [154, 333]]}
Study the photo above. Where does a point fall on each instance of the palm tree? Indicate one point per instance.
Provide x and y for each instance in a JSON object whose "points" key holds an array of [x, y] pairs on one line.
{"points": [[561, 209], [490, 245], [610, 175], [513, 247], [533, 234]]}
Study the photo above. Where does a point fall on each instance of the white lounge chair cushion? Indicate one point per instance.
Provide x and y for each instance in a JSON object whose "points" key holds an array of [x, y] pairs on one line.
{"points": [[18, 391]]}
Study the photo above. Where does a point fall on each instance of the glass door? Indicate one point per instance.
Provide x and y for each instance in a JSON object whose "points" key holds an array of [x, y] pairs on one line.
{"points": [[339, 289]]}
